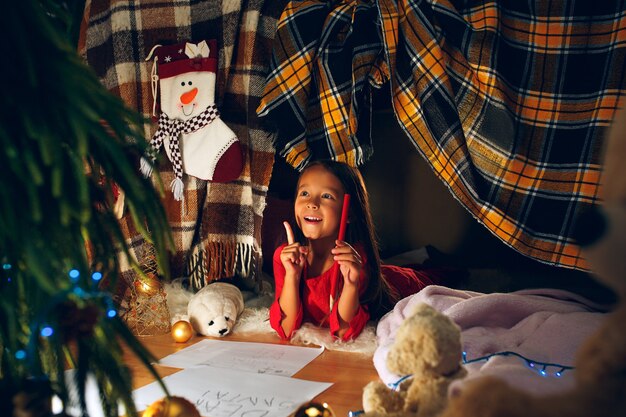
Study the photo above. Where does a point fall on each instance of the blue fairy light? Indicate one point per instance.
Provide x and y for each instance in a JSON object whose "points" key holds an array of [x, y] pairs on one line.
{"points": [[111, 313], [96, 276], [47, 331], [6, 266], [74, 274], [20, 354]]}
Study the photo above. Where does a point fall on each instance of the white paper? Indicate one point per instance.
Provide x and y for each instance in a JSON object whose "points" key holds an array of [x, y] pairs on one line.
{"points": [[92, 398], [217, 392], [261, 358]]}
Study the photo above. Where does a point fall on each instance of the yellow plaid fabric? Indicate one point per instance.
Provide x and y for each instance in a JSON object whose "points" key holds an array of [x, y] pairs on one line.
{"points": [[509, 102], [325, 56]]}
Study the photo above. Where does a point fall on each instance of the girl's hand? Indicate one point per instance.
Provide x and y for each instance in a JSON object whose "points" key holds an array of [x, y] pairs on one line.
{"points": [[350, 263], [293, 256]]}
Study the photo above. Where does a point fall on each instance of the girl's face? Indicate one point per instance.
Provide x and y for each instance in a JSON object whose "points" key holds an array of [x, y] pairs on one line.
{"points": [[319, 198]]}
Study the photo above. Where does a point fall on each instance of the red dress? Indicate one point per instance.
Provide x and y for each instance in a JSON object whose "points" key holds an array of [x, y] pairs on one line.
{"points": [[315, 297]]}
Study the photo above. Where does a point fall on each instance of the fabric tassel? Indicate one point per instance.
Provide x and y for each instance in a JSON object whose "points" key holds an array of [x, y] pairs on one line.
{"points": [[196, 269], [244, 259], [216, 260], [177, 188], [145, 167]]}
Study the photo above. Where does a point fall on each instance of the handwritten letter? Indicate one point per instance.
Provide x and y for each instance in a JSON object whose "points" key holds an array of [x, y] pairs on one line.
{"points": [[232, 393], [262, 358]]}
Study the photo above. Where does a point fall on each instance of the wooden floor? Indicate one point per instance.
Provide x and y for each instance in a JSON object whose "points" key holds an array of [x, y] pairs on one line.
{"points": [[349, 372]]}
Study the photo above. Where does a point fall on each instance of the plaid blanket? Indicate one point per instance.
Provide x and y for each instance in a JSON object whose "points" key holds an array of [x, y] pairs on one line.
{"points": [[217, 227], [326, 56], [509, 103]]}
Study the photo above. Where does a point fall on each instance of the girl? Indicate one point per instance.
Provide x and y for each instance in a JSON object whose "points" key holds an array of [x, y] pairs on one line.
{"points": [[303, 266]]}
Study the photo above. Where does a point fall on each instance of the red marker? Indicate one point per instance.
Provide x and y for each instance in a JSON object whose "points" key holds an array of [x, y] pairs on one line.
{"points": [[343, 223], [344, 217]]}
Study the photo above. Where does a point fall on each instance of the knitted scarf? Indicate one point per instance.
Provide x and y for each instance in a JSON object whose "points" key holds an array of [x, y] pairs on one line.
{"points": [[172, 129]]}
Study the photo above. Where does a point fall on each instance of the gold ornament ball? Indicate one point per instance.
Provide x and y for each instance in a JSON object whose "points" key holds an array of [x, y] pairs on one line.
{"points": [[171, 407], [314, 409], [182, 331]]}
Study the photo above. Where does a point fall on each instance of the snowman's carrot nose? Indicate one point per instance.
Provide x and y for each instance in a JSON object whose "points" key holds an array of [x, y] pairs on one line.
{"points": [[188, 97]]}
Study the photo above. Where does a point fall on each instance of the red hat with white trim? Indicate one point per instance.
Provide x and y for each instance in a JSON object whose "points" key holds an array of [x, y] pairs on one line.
{"points": [[172, 60]]}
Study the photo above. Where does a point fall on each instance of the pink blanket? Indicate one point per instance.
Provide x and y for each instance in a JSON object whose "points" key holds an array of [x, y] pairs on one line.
{"points": [[546, 326]]}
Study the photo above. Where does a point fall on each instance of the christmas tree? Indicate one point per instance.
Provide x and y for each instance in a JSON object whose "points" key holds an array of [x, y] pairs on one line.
{"points": [[68, 147]]}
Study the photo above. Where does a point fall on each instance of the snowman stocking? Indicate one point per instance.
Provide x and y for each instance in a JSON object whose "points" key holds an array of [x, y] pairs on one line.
{"points": [[196, 140]]}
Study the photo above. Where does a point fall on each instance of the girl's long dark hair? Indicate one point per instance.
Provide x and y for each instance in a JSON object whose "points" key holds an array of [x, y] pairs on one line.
{"points": [[379, 297]]}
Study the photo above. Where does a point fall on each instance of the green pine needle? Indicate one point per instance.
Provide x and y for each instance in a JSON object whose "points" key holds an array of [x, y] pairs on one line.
{"points": [[55, 198]]}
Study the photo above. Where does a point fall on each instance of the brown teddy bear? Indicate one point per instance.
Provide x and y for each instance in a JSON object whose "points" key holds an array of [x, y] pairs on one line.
{"points": [[428, 348], [600, 388]]}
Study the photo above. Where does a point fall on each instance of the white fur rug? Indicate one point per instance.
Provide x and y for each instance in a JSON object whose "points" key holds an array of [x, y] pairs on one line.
{"points": [[255, 319]]}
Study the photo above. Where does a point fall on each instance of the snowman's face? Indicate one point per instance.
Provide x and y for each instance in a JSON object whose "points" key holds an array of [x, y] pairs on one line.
{"points": [[187, 95]]}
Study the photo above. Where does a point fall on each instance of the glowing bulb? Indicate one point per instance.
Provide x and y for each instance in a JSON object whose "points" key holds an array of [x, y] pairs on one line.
{"points": [[20, 354], [47, 331], [147, 287], [57, 405], [96, 276], [111, 313]]}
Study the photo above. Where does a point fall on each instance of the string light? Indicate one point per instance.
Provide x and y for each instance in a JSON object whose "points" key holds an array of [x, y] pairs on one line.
{"points": [[111, 311], [6, 267], [39, 326], [532, 364], [396, 385], [542, 368]]}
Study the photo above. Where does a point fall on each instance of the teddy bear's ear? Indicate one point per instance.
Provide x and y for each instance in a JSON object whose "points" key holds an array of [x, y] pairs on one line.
{"points": [[613, 189], [601, 230]]}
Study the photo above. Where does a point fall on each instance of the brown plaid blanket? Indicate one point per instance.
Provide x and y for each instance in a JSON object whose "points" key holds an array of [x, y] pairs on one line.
{"points": [[509, 102], [217, 226]]}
